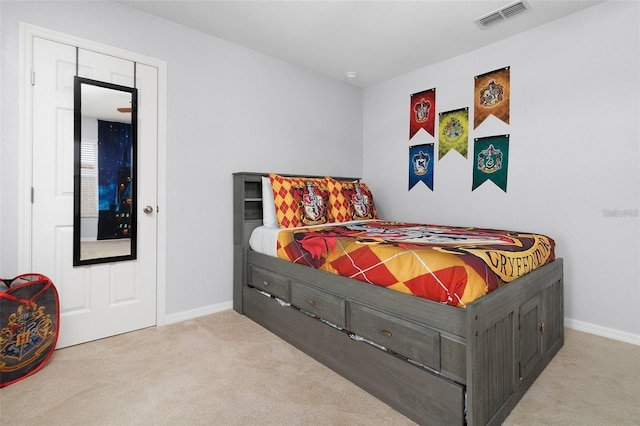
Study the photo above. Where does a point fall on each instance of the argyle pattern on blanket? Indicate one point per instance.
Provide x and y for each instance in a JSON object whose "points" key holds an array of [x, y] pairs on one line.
{"points": [[451, 265]]}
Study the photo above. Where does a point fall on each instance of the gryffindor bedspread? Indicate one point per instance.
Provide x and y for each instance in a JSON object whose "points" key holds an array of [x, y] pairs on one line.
{"points": [[447, 264]]}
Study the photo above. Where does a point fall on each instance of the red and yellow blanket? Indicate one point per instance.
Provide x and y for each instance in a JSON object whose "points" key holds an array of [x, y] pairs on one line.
{"points": [[447, 264]]}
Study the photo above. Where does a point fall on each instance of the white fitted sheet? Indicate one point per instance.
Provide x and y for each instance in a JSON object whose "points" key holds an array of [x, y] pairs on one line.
{"points": [[264, 239]]}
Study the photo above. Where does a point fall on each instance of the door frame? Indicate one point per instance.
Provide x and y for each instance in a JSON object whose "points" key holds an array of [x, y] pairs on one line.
{"points": [[25, 150]]}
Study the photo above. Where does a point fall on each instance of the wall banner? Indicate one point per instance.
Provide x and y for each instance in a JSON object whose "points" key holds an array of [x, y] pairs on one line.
{"points": [[453, 132], [492, 95], [422, 113], [491, 161], [421, 165]]}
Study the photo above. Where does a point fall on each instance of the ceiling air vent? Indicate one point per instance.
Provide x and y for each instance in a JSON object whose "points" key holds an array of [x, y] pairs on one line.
{"points": [[502, 14]]}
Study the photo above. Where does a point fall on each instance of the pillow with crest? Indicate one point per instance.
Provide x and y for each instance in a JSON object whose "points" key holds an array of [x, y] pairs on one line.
{"points": [[300, 201], [350, 201]]}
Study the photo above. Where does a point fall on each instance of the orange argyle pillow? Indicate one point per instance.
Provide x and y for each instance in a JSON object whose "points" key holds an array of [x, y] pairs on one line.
{"points": [[350, 201], [300, 201]]}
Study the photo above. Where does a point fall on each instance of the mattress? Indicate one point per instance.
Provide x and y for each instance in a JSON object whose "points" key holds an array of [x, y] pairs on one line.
{"points": [[451, 265], [264, 239]]}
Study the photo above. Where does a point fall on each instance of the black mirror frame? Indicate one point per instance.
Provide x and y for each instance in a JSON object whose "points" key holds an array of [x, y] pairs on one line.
{"points": [[77, 136]]}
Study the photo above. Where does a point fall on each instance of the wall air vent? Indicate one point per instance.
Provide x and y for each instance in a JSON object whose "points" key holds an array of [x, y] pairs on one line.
{"points": [[502, 14]]}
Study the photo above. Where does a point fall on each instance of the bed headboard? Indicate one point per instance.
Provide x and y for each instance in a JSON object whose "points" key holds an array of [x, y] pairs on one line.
{"points": [[247, 215], [247, 202]]}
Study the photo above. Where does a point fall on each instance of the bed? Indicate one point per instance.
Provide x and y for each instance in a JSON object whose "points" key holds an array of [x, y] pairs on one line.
{"points": [[434, 363]]}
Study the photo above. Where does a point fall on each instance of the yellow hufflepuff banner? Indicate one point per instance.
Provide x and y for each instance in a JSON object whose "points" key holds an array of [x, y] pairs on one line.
{"points": [[453, 132]]}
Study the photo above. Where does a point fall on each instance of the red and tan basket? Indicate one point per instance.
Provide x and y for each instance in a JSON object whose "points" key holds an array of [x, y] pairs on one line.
{"points": [[29, 323]]}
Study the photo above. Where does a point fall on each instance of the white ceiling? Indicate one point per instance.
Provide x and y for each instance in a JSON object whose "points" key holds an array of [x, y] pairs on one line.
{"points": [[103, 103], [377, 39]]}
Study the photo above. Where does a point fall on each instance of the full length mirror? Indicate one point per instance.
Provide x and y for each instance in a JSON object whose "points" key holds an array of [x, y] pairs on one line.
{"points": [[105, 133]]}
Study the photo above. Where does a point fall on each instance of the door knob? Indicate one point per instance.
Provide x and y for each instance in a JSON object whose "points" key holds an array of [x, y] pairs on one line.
{"points": [[148, 209]]}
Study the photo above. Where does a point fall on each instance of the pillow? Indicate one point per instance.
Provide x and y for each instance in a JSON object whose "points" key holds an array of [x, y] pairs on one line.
{"points": [[350, 201], [268, 207], [300, 201]]}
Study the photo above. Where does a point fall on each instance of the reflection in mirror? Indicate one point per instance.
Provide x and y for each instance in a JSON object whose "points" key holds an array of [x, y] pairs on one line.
{"points": [[105, 133]]}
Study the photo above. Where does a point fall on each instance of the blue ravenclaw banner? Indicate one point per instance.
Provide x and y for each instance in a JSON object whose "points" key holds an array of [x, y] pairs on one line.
{"points": [[491, 161], [453, 132], [421, 165]]}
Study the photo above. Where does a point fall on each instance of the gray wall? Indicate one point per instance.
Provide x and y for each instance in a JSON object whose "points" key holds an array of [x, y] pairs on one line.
{"points": [[574, 144], [229, 109], [574, 156]]}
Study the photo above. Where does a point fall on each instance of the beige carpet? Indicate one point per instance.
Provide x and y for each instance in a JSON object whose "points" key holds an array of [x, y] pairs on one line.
{"points": [[224, 369]]}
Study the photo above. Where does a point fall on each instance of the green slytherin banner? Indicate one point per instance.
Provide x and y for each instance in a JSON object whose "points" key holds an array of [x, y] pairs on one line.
{"points": [[491, 161]]}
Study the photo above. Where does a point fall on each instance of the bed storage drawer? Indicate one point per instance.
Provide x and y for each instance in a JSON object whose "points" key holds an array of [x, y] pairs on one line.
{"points": [[325, 305], [269, 282], [408, 339]]}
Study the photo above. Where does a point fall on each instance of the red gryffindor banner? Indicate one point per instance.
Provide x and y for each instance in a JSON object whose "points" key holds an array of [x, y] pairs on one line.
{"points": [[492, 95], [423, 112]]}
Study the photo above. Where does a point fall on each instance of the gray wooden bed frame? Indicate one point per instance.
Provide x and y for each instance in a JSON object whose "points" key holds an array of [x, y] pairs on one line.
{"points": [[441, 365]]}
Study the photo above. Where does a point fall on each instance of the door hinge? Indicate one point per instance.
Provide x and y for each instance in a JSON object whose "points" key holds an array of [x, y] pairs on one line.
{"points": [[32, 196], [33, 77]]}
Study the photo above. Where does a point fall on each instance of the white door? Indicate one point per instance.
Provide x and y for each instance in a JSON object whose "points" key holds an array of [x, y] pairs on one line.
{"points": [[100, 300]]}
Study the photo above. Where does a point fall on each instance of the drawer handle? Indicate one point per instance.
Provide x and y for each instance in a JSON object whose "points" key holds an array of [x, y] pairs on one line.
{"points": [[266, 283], [312, 302], [386, 333]]}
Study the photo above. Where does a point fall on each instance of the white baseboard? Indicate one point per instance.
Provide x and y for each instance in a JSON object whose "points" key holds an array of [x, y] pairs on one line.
{"points": [[598, 330], [198, 312], [568, 322]]}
